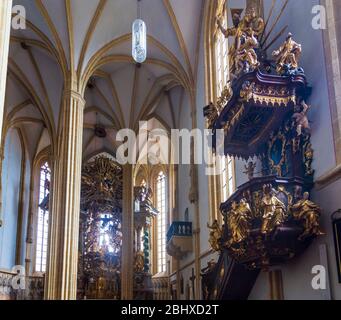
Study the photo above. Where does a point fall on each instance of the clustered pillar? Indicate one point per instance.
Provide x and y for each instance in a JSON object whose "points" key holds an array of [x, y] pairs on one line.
{"points": [[61, 282]]}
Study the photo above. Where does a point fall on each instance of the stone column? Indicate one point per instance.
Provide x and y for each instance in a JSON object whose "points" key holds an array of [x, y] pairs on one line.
{"points": [[61, 282], [127, 270], [5, 29]]}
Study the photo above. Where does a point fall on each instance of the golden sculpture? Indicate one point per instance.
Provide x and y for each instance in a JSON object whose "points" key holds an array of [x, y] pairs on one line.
{"points": [[251, 20], [215, 235], [100, 229], [139, 262], [301, 119], [239, 222], [101, 178], [245, 32], [257, 200], [309, 213], [308, 158], [224, 98], [246, 58], [250, 222], [288, 55], [274, 211], [211, 113]]}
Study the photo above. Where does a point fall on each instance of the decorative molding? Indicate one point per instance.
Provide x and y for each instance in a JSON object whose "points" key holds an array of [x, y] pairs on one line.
{"points": [[328, 178], [69, 19]]}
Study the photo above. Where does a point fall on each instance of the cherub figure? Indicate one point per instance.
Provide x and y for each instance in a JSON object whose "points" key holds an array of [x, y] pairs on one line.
{"points": [[250, 170], [301, 119]]}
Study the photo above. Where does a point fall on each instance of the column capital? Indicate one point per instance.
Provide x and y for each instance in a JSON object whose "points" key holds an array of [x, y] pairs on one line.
{"points": [[73, 94]]}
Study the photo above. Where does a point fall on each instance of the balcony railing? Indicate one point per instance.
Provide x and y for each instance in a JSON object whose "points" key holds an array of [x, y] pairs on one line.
{"points": [[179, 229], [34, 287], [179, 239]]}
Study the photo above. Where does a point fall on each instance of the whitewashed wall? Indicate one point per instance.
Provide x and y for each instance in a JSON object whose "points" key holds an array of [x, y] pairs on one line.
{"points": [[10, 197], [297, 274]]}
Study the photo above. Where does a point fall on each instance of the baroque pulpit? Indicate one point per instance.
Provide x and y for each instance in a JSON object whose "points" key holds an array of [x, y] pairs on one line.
{"points": [[261, 117]]}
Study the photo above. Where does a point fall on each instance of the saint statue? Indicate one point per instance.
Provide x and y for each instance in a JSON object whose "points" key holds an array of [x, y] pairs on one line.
{"points": [[301, 119], [274, 211], [139, 262], [239, 222], [246, 58], [246, 31], [215, 235], [287, 56], [308, 212]]}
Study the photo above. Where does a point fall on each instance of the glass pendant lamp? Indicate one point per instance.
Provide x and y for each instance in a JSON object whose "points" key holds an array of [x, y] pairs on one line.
{"points": [[139, 38]]}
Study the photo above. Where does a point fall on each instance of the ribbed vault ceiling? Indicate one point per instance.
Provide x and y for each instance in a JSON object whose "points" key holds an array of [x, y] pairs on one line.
{"points": [[92, 38]]}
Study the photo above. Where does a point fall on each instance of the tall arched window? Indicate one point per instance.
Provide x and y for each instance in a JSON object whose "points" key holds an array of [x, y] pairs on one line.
{"points": [[221, 56], [222, 76], [161, 221], [43, 216], [227, 178]]}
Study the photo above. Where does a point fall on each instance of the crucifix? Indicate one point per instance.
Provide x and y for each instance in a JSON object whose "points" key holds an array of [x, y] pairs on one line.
{"points": [[192, 278]]}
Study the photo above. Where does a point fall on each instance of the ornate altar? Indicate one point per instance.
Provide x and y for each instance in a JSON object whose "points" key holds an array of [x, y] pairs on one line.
{"points": [[270, 219], [144, 212], [100, 238]]}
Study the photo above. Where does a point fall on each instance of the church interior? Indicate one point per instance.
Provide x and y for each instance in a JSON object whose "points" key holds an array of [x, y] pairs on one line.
{"points": [[249, 209]]}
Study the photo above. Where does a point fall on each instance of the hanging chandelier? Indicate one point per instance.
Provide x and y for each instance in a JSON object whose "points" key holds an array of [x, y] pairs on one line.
{"points": [[139, 37]]}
